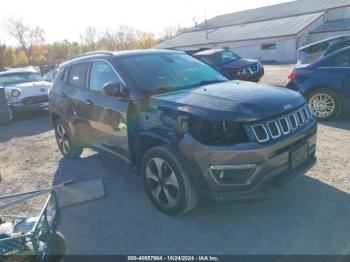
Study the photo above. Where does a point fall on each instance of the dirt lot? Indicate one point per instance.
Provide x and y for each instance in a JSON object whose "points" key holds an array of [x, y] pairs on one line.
{"points": [[276, 75], [310, 215]]}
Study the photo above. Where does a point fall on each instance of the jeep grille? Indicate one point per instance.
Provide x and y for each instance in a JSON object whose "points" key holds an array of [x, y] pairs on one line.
{"points": [[278, 127]]}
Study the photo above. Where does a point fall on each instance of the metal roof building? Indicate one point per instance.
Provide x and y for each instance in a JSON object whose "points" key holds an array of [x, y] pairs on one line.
{"points": [[271, 33]]}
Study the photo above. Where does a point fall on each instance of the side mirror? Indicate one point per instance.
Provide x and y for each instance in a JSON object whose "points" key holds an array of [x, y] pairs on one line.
{"points": [[113, 89]]}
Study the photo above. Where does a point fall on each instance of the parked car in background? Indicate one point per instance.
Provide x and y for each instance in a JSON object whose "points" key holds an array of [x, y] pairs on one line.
{"points": [[311, 53], [232, 65], [189, 130], [51, 75], [325, 84], [25, 90]]}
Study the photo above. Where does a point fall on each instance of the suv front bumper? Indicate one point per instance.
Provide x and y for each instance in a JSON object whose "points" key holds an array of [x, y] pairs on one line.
{"points": [[270, 164]]}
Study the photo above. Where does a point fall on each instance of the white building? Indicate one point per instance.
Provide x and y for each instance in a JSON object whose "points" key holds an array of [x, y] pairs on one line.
{"points": [[272, 33]]}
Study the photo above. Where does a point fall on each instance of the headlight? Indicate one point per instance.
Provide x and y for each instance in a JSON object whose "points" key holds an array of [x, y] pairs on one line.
{"points": [[244, 71], [16, 93], [220, 133]]}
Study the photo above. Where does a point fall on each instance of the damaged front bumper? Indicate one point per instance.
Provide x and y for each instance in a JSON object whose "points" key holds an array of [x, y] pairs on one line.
{"points": [[250, 170]]}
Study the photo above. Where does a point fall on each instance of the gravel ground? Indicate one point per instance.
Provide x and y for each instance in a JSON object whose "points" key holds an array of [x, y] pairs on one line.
{"points": [[276, 75], [310, 215]]}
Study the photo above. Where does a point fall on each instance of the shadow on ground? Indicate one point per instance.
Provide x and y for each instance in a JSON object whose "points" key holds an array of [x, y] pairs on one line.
{"points": [[343, 122], [305, 216], [26, 124]]}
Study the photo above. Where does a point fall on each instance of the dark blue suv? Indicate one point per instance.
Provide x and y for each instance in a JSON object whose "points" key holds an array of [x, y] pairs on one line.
{"points": [[325, 84], [188, 130]]}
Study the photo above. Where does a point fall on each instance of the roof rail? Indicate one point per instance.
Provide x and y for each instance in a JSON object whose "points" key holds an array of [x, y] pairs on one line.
{"points": [[93, 53]]}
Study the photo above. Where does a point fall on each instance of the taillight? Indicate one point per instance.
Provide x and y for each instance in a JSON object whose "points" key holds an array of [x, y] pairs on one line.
{"points": [[292, 75]]}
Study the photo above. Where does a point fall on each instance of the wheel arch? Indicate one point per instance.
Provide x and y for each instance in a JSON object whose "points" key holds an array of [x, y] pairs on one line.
{"points": [[147, 140], [321, 86], [53, 117]]}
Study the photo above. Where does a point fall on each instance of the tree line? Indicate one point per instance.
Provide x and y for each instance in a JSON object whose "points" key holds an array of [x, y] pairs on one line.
{"points": [[32, 50]]}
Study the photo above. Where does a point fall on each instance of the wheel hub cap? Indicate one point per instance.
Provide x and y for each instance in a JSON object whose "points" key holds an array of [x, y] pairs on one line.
{"points": [[162, 182], [62, 139], [322, 105]]}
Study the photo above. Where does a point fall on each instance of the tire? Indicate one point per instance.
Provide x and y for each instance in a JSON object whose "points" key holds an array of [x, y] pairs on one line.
{"points": [[170, 190], [331, 108], [65, 143], [59, 248]]}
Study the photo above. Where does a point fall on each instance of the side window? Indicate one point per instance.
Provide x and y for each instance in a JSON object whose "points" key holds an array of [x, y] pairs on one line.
{"points": [[269, 46], [65, 74], [101, 73], [78, 75], [338, 46], [206, 60]]}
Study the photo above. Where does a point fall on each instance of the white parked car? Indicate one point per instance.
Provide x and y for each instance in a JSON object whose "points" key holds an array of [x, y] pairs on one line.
{"points": [[25, 90]]}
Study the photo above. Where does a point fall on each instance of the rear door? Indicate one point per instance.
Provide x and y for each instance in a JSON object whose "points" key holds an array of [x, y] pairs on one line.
{"points": [[339, 68], [75, 90], [108, 115]]}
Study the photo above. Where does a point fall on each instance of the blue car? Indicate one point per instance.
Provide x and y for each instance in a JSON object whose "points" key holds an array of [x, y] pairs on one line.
{"points": [[325, 84]]}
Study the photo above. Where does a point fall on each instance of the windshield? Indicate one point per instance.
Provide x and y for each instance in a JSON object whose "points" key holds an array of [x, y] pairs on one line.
{"points": [[225, 57], [19, 78], [51, 75], [154, 72]]}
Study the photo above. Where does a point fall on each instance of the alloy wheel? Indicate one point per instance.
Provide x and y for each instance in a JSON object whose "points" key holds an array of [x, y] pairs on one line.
{"points": [[162, 182], [62, 138], [322, 105]]}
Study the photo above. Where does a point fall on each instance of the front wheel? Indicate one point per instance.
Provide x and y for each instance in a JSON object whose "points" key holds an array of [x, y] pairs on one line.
{"points": [[64, 141], [167, 181], [59, 248], [324, 104]]}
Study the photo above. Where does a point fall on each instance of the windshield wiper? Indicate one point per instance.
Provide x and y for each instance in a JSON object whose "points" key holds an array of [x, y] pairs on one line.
{"points": [[163, 89], [209, 82]]}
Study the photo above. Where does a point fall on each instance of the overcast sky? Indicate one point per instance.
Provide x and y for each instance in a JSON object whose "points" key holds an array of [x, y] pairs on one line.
{"points": [[66, 19]]}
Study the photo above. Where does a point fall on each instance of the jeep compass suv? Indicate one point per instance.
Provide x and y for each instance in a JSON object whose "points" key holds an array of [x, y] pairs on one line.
{"points": [[189, 130]]}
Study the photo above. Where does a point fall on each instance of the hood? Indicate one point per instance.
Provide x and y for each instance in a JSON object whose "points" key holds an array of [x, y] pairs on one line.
{"points": [[240, 63], [234, 100]]}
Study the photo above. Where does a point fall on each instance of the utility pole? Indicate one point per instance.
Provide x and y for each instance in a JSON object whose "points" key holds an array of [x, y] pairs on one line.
{"points": [[206, 26]]}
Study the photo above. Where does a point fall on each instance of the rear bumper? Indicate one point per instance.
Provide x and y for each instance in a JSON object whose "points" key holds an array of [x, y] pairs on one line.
{"points": [[272, 164]]}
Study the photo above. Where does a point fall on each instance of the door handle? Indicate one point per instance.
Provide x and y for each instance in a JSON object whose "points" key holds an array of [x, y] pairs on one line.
{"points": [[63, 94], [89, 102]]}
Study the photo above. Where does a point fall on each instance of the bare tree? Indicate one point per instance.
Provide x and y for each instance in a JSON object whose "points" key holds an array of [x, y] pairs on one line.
{"points": [[171, 31], [2, 56], [90, 38], [26, 36], [125, 37], [122, 38], [108, 40]]}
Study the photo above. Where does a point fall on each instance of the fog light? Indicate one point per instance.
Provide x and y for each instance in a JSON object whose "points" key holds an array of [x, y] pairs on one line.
{"points": [[232, 175]]}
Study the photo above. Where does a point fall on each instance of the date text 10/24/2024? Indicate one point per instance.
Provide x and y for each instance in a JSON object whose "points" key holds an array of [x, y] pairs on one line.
{"points": [[173, 258]]}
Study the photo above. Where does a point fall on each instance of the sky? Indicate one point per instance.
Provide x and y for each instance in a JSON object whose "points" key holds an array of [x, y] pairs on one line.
{"points": [[66, 19]]}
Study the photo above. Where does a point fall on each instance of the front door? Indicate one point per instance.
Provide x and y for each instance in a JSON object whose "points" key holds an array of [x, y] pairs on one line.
{"points": [[108, 115]]}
